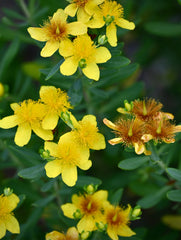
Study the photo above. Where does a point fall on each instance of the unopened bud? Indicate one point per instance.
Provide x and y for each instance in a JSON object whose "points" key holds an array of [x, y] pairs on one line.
{"points": [[128, 106], [108, 19], [82, 63], [45, 154], [84, 235], [65, 116], [8, 191], [90, 189], [77, 214], [101, 226], [136, 213], [102, 39]]}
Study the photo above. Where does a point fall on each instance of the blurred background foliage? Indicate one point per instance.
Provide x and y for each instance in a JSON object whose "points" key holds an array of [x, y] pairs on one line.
{"points": [[146, 63]]}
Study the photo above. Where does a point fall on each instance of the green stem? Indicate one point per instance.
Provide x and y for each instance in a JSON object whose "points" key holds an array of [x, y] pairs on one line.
{"points": [[56, 188]]}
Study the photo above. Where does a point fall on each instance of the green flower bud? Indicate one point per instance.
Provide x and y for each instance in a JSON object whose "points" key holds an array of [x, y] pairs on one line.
{"points": [[65, 116], [128, 106], [82, 63], [8, 191], [102, 39], [77, 214], [108, 19], [136, 213], [84, 235], [101, 226], [90, 189]]}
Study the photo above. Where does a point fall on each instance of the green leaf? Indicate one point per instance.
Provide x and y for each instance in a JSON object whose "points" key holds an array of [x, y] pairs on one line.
{"points": [[44, 201], [115, 197], [32, 172], [152, 199], [54, 70], [75, 92], [13, 14], [117, 62], [85, 180], [174, 173], [164, 29], [133, 163], [47, 186], [174, 195]]}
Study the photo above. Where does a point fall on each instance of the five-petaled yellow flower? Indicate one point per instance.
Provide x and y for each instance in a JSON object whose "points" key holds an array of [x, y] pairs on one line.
{"points": [[88, 207], [72, 234], [111, 14], [28, 116], [84, 9], [117, 220], [68, 156], [7, 219], [84, 54], [86, 132], [56, 30], [56, 102]]}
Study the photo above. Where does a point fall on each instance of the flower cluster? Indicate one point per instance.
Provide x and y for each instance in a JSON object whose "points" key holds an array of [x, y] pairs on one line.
{"points": [[40, 116], [143, 121], [73, 40], [8, 202], [95, 212]]}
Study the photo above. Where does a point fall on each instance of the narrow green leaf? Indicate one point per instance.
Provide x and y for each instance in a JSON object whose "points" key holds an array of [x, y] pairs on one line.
{"points": [[13, 14], [174, 195], [174, 173], [152, 199], [47, 186], [54, 70], [164, 29], [133, 163], [32, 172], [43, 201]]}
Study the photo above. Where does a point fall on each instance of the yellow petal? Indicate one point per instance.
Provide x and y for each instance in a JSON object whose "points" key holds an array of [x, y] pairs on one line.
{"points": [[125, 24], [12, 224], [54, 235], [12, 202], [66, 48], [59, 16], [14, 106], [112, 233], [115, 141], [66, 138], [147, 137], [139, 148], [125, 231], [51, 147], [102, 55], [50, 48], [84, 165], [39, 34], [69, 66], [101, 196], [87, 223], [89, 119], [82, 16], [53, 168], [96, 22], [9, 122], [74, 120], [92, 71], [69, 209], [71, 9], [69, 175], [111, 33], [42, 133], [50, 121], [109, 124], [72, 234], [99, 142], [2, 229], [23, 134], [76, 28]]}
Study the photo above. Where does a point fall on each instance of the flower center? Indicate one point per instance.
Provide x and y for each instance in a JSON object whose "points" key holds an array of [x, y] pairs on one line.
{"points": [[80, 3], [84, 49], [114, 217], [68, 154], [56, 30], [89, 206], [111, 10]]}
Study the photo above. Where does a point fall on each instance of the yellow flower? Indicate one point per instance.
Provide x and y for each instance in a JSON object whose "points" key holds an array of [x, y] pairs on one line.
{"points": [[117, 220], [111, 14], [72, 234], [68, 156], [86, 132], [7, 219], [56, 102], [83, 53], [88, 207], [55, 31], [129, 132], [83, 8], [28, 116], [1, 89]]}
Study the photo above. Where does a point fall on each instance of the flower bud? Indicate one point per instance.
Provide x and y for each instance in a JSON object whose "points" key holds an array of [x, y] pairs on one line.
{"points": [[8, 191], [128, 106], [136, 213], [102, 39], [108, 19], [77, 214], [84, 235], [101, 226], [90, 189], [82, 63], [65, 116]]}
